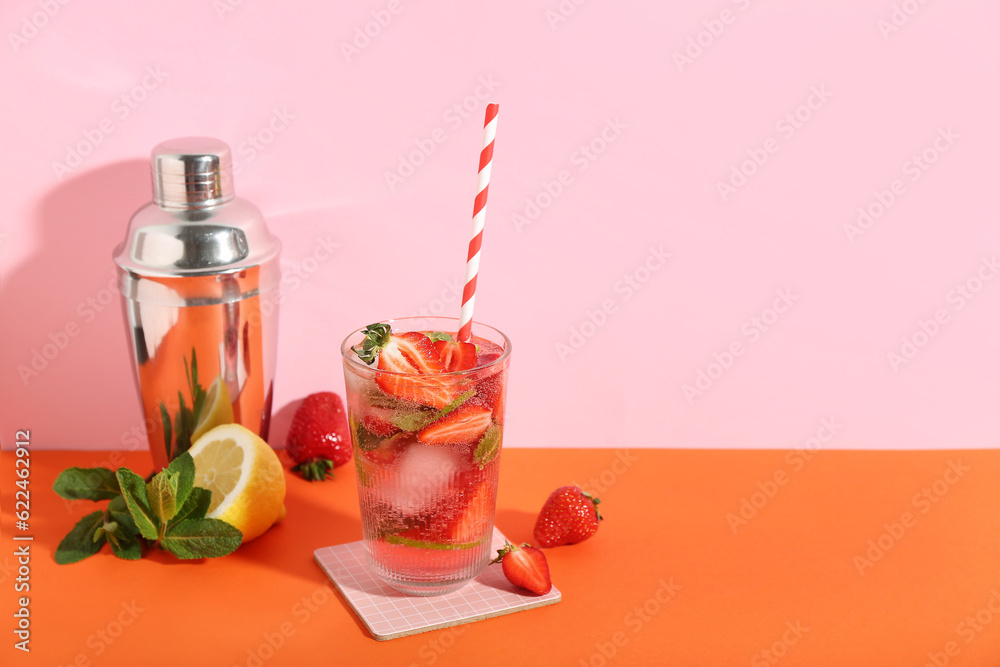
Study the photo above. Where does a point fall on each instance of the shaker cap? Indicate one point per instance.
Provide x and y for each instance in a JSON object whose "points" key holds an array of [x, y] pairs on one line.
{"points": [[196, 226], [192, 172]]}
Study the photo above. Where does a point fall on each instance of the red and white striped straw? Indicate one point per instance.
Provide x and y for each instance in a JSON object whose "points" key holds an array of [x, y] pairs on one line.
{"points": [[478, 222]]}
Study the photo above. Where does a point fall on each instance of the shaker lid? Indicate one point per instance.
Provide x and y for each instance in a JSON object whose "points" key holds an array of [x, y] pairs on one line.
{"points": [[195, 225], [192, 172]]}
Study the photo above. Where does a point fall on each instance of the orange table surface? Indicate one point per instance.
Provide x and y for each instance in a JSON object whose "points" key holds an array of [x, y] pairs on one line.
{"points": [[839, 558]]}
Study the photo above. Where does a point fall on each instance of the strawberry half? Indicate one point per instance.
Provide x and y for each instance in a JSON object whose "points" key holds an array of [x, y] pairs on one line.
{"points": [[525, 566], [463, 426], [569, 516], [409, 356], [319, 438], [456, 355]]}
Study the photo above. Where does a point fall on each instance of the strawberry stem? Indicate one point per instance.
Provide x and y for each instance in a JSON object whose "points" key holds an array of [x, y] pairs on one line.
{"points": [[596, 501], [315, 470], [507, 548], [376, 337]]}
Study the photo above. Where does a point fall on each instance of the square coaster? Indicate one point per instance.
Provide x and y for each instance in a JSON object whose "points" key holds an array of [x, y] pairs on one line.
{"points": [[389, 614]]}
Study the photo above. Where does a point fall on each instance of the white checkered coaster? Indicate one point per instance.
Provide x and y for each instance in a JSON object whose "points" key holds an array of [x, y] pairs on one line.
{"points": [[389, 614]]}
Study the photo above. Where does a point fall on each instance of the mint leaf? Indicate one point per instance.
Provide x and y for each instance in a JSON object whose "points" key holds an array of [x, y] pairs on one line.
{"points": [[196, 506], [415, 421], [117, 511], [435, 336], [378, 399], [167, 435], [86, 484], [127, 548], [367, 441], [162, 494], [80, 543], [201, 538], [183, 465], [134, 491], [183, 425], [363, 479], [489, 446]]}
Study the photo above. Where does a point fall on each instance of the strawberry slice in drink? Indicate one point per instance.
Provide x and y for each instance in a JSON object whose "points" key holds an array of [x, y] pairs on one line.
{"points": [[463, 426], [411, 358], [471, 524], [456, 355]]}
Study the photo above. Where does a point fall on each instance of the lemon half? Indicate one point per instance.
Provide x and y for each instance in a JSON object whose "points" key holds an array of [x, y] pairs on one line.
{"points": [[244, 475]]}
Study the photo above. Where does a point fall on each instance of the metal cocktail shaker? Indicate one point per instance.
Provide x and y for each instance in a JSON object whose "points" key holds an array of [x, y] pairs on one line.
{"points": [[199, 275]]}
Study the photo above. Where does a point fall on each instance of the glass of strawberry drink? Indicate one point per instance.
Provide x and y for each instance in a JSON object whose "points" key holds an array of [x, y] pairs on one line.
{"points": [[426, 414]]}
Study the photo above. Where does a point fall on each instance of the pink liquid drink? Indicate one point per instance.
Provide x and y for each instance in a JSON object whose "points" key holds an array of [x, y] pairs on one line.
{"points": [[426, 415]]}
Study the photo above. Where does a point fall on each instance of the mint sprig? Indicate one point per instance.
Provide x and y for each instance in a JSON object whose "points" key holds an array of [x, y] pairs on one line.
{"points": [[435, 336], [177, 432], [167, 513]]}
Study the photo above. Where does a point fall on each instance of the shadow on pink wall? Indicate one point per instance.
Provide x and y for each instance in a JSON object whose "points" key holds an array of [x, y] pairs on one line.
{"points": [[64, 353]]}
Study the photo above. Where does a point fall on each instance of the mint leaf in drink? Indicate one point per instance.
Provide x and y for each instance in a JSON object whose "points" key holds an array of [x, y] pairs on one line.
{"points": [[196, 506], [183, 466], [162, 495], [435, 336], [424, 544], [86, 484], [367, 441], [201, 538], [80, 542], [363, 479], [134, 491], [415, 421], [489, 446]]}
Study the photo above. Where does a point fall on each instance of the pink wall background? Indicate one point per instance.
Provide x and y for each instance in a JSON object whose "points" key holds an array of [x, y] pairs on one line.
{"points": [[824, 106]]}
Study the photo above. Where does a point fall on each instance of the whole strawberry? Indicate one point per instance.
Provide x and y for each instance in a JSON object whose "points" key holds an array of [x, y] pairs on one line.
{"points": [[569, 516], [319, 439]]}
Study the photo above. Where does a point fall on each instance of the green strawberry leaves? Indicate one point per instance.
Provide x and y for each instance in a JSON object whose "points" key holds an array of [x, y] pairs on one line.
{"points": [[168, 512]]}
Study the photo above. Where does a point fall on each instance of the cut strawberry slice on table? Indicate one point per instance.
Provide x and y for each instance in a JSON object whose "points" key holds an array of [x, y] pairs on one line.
{"points": [[411, 357], [463, 426], [525, 566]]}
